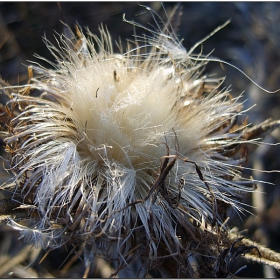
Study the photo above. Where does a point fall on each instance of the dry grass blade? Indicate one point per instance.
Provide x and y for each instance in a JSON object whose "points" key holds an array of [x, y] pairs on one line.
{"points": [[262, 129], [12, 262], [259, 252]]}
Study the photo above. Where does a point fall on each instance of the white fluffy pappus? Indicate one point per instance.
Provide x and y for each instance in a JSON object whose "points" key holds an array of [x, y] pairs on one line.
{"points": [[135, 151]]}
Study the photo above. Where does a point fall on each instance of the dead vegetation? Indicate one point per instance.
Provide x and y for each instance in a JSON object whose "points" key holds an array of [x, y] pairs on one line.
{"points": [[251, 43]]}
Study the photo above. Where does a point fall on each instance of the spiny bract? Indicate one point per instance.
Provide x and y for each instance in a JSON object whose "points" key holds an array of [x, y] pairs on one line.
{"points": [[134, 152]]}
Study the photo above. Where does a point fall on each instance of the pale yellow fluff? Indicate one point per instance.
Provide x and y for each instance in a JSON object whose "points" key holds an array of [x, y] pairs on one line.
{"points": [[94, 143]]}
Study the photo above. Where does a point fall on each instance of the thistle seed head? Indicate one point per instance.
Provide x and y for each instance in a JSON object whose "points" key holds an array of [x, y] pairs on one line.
{"points": [[134, 151]]}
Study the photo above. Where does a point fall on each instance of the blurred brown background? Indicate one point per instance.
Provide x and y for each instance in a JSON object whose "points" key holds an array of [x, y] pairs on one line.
{"points": [[250, 42]]}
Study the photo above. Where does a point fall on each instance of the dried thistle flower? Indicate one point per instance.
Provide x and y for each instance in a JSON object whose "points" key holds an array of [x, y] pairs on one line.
{"points": [[132, 152]]}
